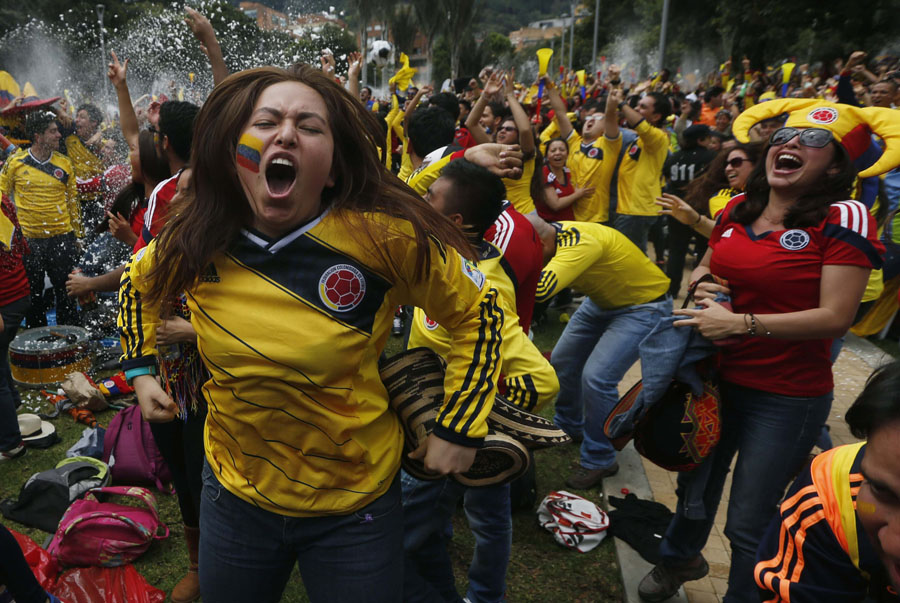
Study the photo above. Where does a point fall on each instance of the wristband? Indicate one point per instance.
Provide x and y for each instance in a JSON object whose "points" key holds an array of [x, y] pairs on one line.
{"points": [[699, 217], [130, 374], [620, 105]]}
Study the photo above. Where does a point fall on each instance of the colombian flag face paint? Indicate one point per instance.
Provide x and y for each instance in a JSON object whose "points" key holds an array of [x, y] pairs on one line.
{"points": [[248, 154]]}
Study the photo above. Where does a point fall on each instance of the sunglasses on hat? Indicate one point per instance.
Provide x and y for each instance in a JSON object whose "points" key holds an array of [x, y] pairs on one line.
{"points": [[816, 138]]}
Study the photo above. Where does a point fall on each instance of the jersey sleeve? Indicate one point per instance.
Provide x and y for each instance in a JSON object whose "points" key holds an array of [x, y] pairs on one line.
{"points": [[799, 559], [570, 260], [456, 295], [653, 138], [137, 320], [6, 176], [528, 377], [425, 176], [851, 236]]}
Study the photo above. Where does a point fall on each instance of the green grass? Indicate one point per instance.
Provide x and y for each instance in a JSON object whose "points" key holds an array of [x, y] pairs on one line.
{"points": [[539, 571]]}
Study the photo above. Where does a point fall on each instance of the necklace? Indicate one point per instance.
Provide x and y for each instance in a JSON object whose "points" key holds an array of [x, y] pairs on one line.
{"points": [[770, 219]]}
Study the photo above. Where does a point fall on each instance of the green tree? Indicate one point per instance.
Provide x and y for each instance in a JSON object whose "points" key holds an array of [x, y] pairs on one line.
{"points": [[403, 28]]}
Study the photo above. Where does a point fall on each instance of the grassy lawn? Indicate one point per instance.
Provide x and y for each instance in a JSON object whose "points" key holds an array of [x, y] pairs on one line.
{"points": [[540, 570]]}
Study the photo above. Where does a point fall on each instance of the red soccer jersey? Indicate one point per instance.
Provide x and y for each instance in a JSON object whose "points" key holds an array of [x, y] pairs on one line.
{"points": [[523, 258], [157, 208], [464, 138], [13, 280], [778, 272], [563, 189]]}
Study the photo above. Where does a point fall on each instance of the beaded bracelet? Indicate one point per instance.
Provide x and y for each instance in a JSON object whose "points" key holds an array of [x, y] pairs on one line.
{"points": [[751, 328]]}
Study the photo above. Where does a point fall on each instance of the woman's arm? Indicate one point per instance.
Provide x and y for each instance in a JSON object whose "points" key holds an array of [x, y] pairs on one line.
{"points": [[557, 203], [840, 290], [526, 138], [491, 87], [559, 109], [205, 33], [117, 74], [679, 209]]}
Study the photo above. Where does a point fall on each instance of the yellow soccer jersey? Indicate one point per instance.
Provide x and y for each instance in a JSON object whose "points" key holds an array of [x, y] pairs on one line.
{"points": [[718, 202], [45, 194], [529, 379], [593, 165], [518, 192], [603, 264], [84, 162], [432, 165], [291, 332], [641, 170]]}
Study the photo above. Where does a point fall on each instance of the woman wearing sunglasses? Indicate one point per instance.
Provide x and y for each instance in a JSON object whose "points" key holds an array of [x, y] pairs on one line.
{"points": [[796, 254], [708, 195]]}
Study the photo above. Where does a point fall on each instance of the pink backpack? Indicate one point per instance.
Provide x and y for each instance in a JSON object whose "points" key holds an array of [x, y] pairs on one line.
{"points": [[106, 533], [131, 453]]}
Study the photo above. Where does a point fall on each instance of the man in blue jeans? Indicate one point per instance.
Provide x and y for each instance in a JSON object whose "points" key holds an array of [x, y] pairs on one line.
{"points": [[627, 295]]}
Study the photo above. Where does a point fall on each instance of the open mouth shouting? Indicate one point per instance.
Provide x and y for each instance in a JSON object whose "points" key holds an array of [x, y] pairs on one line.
{"points": [[786, 163], [281, 173]]}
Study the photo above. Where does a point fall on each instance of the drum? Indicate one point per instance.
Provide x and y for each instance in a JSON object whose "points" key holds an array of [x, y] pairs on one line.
{"points": [[44, 356]]}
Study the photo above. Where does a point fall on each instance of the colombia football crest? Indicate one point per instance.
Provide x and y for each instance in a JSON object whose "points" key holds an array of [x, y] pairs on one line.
{"points": [[342, 287]]}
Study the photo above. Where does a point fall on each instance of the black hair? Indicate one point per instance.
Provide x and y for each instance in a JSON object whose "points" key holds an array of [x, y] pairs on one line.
{"points": [[700, 190], [498, 110], [661, 105], [446, 101], [713, 92], [811, 208], [37, 123], [476, 194], [176, 122], [466, 103], [93, 111], [592, 103], [551, 141], [430, 128], [153, 167], [879, 402]]}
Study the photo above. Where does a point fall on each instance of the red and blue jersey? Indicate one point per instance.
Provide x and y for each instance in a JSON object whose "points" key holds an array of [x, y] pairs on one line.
{"points": [[778, 272]]}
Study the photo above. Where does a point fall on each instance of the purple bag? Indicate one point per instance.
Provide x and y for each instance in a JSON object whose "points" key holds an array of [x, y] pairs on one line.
{"points": [[106, 533], [131, 453]]}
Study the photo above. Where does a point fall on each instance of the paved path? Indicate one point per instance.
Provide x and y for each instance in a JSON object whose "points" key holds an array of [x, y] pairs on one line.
{"points": [[857, 360]]}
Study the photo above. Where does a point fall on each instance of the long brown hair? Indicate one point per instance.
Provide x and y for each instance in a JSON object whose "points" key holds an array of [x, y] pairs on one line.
{"points": [[206, 219], [811, 207], [700, 190]]}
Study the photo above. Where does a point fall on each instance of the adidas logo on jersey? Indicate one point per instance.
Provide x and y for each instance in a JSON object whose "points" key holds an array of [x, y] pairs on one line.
{"points": [[209, 275]]}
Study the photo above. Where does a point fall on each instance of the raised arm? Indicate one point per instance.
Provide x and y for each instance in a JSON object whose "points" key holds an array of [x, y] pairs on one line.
{"points": [[354, 59], [128, 122], [206, 35], [491, 88], [559, 109], [526, 138]]}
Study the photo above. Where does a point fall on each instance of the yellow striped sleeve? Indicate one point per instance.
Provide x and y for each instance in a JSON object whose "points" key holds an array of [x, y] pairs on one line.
{"points": [[137, 321]]}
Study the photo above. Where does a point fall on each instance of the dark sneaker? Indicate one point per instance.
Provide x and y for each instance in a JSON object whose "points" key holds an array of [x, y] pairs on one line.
{"points": [[14, 453], [663, 581], [584, 479]]}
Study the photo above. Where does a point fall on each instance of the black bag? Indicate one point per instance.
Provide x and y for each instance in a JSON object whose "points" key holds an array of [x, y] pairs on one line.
{"points": [[45, 497]]}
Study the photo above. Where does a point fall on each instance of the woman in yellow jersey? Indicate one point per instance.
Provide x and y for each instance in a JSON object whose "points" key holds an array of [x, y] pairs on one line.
{"points": [[294, 245], [514, 128]]}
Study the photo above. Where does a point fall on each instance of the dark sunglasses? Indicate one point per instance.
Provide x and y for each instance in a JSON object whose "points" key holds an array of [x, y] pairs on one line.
{"points": [[507, 129], [736, 162], [816, 138]]}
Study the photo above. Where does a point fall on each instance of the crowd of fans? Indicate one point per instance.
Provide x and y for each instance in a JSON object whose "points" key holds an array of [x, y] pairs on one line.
{"points": [[464, 211]]}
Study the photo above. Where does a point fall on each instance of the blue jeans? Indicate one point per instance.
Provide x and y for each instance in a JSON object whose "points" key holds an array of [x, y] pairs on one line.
{"points": [[592, 355], [247, 553], [636, 228], [427, 510], [773, 435], [12, 314]]}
